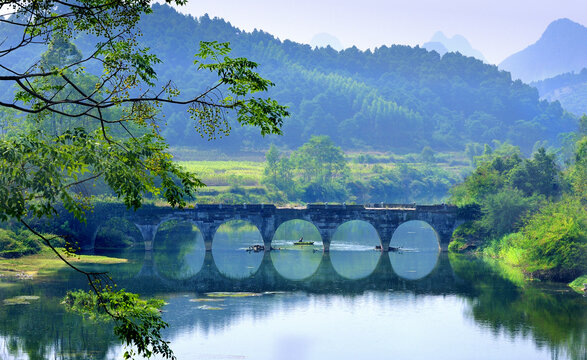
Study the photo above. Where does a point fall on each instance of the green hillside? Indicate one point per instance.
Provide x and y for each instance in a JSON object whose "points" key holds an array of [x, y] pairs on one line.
{"points": [[392, 99]]}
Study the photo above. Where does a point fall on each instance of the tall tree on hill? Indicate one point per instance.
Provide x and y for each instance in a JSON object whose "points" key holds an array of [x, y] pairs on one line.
{"points": [[108, 130]]}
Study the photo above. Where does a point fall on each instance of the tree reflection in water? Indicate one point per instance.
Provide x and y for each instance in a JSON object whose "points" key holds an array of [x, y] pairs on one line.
{"points": [[547, 314]]}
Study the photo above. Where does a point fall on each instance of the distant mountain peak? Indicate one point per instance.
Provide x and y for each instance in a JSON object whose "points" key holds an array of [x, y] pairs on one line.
{"points": [[561, 48], [325, 39], [562, 23], [457, 43]]}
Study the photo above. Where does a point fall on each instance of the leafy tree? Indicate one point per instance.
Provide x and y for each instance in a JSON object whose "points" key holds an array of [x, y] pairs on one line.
{"points": [[320, 160], [578, 173], [472, 150], [583, 124], [503, 211], [427, 155], [278, 175], [539, 175], [86, 128], [271, 172]]}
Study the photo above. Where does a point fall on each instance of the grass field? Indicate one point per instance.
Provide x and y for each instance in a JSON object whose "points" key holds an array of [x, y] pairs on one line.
{"points": [[47, 263], [226, 173], [220, 174]]}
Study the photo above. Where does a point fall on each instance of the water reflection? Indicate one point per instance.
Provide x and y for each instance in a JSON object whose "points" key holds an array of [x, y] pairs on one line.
{"points": [[462, 296], [178, 250], [352, 249], [296, 263], [416, 250], [231, 241], [338, 304], [413, 265]]}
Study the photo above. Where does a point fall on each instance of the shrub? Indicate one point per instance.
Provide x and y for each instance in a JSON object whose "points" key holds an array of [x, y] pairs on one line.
{"points": [[556, 238], [457, 246], [17, 244]]}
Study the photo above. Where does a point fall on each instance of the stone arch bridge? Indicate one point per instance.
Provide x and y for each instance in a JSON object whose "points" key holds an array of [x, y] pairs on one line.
{"points": [[267, 217]]}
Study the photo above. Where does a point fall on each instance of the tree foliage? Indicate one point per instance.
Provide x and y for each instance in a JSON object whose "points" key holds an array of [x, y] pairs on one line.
{"points": [[556, 237], [533, 215], [507, 187], [318, 172], [393, 98], [77, 117]]}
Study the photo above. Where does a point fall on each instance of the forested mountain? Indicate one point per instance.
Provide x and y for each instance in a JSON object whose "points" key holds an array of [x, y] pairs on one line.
{"points": [[394, 98], [570, 89], [458, 43], [562, 48]]}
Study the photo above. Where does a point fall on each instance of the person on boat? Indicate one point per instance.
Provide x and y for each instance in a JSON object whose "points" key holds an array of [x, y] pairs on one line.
{"points": [[301, 239]]}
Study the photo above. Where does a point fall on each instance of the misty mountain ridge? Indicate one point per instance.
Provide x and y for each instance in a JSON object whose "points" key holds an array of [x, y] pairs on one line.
{"points": [[458, 43], [569, 89], [562, 48]]}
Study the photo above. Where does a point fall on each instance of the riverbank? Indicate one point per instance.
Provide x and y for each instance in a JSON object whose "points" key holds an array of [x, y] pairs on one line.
{"points": [[46, 263], [515, 271]]}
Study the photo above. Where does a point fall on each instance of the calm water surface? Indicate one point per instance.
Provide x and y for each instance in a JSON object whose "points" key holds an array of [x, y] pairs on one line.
{"points": [[299, 303]]}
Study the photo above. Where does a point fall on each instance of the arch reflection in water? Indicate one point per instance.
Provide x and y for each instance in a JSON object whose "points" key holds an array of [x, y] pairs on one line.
{"points": [[352, 249], [229, 249], [418, 250], [178, 250], [292, 261]]}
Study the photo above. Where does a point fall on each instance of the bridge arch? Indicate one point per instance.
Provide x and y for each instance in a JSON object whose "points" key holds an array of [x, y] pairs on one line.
{"points": [[293, 230], [295, 262], [352, 249], [415, 234], [415, 249], [178, 249], [230, 245], [116, 233]]}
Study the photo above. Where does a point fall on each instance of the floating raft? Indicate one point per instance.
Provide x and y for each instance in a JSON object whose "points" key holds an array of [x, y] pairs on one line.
{"points": [[304, 243]]}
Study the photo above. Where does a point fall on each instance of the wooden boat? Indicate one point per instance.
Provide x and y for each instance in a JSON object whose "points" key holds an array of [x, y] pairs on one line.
{"points": [[391, 248], [256, 248], [304, 243]]}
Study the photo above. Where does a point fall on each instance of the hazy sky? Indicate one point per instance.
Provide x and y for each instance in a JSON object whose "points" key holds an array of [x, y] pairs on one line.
{"points": [[497, 28]]}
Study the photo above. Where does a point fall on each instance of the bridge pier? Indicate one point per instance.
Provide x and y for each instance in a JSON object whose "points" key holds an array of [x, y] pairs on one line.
{"points": [[208, 231], [326, 239], [444, 239], [385, 232], [267, 242], [445, 234], [148, 232]]}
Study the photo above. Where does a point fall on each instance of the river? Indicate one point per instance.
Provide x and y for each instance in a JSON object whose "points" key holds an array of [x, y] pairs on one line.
{"points": [[297, 302]]}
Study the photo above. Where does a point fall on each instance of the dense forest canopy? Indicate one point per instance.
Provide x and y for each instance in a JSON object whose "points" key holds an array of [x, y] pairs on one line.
{"points": [[394, 98]]}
